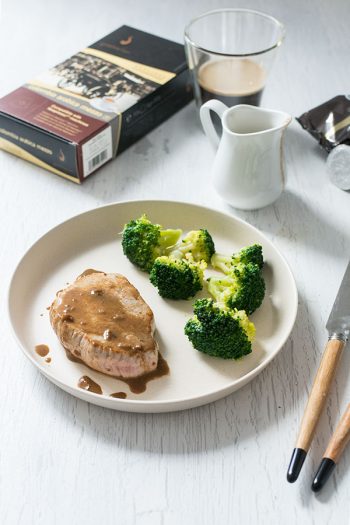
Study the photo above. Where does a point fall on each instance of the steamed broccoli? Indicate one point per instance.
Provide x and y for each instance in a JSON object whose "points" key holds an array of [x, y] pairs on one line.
{"points": [[243, 287], [249, 254], [143, 242], [198, 245], [218, 331], [179, 275], [177, 278]]}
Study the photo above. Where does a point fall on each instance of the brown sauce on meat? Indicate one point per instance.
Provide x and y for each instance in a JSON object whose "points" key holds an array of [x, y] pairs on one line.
{"points": [[74, 358], [89, 271], [42, 350], [86, 383], [119, 395], [100, 312], [116, 320], [138, 385]]}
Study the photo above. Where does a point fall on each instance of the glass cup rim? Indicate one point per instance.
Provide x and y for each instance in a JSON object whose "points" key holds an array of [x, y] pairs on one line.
{"points": [[235, 10]]}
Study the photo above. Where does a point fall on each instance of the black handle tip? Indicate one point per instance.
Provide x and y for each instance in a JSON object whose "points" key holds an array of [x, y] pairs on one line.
{"points": [[295, 465], [323, 473]]}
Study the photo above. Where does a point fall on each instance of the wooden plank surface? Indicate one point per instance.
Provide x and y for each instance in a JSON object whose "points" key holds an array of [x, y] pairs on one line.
{"points": [[63, 461]]}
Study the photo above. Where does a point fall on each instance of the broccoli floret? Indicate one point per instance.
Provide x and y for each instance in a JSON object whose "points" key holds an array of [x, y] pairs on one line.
{"points": [[179, 274], [143, 242], [243, 288], [250, 254], [218, 331], [197, 245], [177, 278]]}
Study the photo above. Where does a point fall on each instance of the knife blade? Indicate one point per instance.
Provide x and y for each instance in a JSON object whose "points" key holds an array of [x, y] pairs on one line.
{"points": [[338, 326], [338, 323]]}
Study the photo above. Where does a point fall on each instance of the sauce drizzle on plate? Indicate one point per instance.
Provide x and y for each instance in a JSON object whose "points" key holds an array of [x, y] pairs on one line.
{"points": [[119, 395], [42, 350], [137, 385], [86, 383]]}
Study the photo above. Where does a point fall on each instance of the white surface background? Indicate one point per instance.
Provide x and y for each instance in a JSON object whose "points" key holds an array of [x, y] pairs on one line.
{"points": [[65, 461]]}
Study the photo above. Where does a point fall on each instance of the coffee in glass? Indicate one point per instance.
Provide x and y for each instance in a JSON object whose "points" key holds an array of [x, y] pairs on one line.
{"points": [[231, 80], [230, 53]]}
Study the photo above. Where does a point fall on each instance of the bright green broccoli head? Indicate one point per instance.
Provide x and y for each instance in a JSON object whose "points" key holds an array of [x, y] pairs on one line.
{"points": [[250, 254], [243, 288], [177, 278], [218, 331], [198, 245], [143, 242]]}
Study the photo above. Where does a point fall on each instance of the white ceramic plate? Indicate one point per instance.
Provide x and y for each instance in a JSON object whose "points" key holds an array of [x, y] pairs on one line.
{"points": [[92, 240]]}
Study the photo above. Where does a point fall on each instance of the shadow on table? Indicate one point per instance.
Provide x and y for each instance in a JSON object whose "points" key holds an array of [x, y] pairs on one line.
{"points": [[258, 407], [130, 174], [299, 140], [275, 394], [309, 227]]}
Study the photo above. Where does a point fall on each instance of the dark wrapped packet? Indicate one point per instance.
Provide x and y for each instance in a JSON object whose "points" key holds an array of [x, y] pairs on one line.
{"points": [[329, 123]]}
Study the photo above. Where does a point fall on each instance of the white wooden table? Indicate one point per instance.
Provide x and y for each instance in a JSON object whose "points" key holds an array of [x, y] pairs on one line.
{"points": [[63, 461]]}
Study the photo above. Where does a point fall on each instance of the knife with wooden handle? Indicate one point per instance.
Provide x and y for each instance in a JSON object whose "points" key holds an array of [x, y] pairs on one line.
{"points": [[335, 448], [338, 326]]}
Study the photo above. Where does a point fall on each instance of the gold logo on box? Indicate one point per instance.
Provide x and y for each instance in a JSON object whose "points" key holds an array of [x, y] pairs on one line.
{"points": [[126, 41]]}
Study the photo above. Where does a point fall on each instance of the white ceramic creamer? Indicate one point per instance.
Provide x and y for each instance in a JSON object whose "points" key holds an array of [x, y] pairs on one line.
{"points": [[248, 169]]}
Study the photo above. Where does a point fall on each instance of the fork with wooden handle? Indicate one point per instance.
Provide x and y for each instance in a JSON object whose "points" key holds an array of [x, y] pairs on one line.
{"points": [[335, 448]]}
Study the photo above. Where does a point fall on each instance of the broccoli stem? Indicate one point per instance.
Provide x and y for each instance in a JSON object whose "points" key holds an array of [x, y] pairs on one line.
{"points": [[168, 238]]}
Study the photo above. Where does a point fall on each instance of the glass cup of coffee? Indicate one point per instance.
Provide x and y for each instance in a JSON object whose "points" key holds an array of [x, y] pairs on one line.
{"points": [[230, 53]]}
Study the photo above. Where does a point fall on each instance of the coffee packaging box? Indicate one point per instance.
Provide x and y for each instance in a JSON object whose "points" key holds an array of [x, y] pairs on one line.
{"points": [[83, 112]]}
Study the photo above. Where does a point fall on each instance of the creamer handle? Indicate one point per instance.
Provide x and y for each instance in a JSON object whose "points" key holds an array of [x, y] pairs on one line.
{"points": [[207, 123]]}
